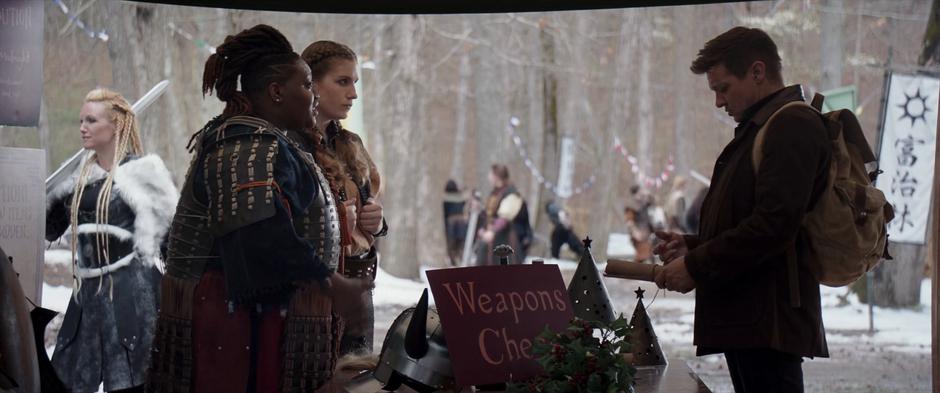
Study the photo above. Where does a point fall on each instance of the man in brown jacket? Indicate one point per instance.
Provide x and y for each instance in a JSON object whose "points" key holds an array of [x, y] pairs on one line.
{"points": [[756, 301]]}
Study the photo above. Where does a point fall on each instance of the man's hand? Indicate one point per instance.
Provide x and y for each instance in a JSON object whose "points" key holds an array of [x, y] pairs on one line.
{"points": [[349, 300], [370, 219], [675, 277], [671, 246]]}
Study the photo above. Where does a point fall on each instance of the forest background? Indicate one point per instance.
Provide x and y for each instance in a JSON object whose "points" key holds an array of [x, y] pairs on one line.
{"points": [[438, 93]]}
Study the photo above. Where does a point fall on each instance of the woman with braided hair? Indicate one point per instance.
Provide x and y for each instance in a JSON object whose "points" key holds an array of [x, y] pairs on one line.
{"points": [[353, 176], [251, 278], [117, 207]]}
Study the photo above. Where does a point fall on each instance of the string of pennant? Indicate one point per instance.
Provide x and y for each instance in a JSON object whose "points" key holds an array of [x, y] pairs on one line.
{"points": [[201, 43], [100, 35], [103, 35], [536, 173], [648, 181]]}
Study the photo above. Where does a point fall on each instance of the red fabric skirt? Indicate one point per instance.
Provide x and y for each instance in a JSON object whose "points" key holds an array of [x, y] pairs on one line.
{"points": [[222, 342]]}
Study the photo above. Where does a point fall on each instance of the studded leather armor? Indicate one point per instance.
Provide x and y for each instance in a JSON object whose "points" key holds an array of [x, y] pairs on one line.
{"points": [[237, 185]]}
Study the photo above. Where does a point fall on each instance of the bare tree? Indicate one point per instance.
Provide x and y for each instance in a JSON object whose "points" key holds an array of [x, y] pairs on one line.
{"points": [[833, 24], [400, 69]]}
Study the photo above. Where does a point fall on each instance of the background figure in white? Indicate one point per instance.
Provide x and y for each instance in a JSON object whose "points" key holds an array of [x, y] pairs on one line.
{"points": [[675, 206]]}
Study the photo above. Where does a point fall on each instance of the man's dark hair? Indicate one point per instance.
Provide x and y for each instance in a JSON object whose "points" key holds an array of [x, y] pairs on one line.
{"points": [[737, 49]]}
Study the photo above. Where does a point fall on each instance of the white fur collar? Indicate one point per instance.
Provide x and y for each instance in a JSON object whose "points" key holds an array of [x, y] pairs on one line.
{"points": [[147, 187]]}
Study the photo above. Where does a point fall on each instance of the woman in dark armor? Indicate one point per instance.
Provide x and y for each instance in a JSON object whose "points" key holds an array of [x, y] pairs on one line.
{"points": [[251, 287]]}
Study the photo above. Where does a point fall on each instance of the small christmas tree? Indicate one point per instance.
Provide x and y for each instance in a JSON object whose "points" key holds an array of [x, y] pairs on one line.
{"points": [[645, 345], [587, 291]]}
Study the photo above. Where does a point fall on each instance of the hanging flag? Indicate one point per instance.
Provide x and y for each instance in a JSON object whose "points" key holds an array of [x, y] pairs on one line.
{"points": [[21, 25], [907, 154], [566, 167]]}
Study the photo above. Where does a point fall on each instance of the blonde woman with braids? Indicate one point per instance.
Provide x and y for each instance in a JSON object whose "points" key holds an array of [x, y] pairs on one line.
{"points": [[117, 208], [353, 176]]}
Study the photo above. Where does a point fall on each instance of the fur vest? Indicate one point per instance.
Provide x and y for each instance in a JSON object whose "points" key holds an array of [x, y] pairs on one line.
{"points": [[144, 184]]}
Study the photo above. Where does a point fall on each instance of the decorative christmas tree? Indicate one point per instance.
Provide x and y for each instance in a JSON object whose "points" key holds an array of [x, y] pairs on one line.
{"points": [[644, 344], [587, 291]]}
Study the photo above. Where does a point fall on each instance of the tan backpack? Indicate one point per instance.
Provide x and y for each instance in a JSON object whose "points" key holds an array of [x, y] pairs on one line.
{"points": [[847, 228]]}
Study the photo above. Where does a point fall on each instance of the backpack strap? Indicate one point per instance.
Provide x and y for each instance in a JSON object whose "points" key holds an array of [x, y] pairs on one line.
{"points": [[757, 154], [817, 101]]}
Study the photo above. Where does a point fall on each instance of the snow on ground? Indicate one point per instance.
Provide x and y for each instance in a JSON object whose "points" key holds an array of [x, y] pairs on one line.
{"points": [[900, 329], [55, 298], [393, 291], [58, 256], [905, 330], [620, 246]]}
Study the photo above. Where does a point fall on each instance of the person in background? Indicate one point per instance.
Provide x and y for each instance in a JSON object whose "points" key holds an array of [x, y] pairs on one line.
{"points": [[352, 174], [640, 232], [562, 231], [642, 203], [676, 206], [455, 221], [692, 215], [118, 206], [505, 219]]}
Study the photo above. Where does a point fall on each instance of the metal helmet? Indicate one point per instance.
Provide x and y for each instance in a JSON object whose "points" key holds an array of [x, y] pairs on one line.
{"points": [[414, 352]]}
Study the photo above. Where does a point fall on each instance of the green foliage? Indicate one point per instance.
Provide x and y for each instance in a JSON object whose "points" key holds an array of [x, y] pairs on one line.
{"points": [[585, 357]]}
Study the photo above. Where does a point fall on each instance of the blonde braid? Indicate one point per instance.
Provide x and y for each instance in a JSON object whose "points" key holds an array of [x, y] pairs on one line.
{"points": [[76, 200]]}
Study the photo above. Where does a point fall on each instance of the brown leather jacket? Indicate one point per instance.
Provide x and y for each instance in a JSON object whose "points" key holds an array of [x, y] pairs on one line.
{"points": [[739, 257]]}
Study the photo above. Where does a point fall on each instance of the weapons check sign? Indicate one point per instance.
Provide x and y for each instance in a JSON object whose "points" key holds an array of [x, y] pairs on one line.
{"points": [[492, 314]]}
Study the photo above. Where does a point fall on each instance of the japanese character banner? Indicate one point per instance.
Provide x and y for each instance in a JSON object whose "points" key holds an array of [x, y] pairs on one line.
{"points": [[907, 154]]}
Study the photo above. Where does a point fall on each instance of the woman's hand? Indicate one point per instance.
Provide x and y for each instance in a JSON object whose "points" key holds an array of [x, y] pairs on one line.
{"points": [[349, 300], [370, 219]]}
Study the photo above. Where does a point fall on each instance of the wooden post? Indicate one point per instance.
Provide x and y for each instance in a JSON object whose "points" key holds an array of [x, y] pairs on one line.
{"points": [[935, 280]]}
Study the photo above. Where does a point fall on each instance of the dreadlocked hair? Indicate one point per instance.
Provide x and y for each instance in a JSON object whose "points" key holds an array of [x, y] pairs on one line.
{"points": [[255, 58], [127, 141]]}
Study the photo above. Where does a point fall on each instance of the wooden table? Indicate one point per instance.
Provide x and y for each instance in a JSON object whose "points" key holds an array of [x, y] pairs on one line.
{"points": [[677, 377]]}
